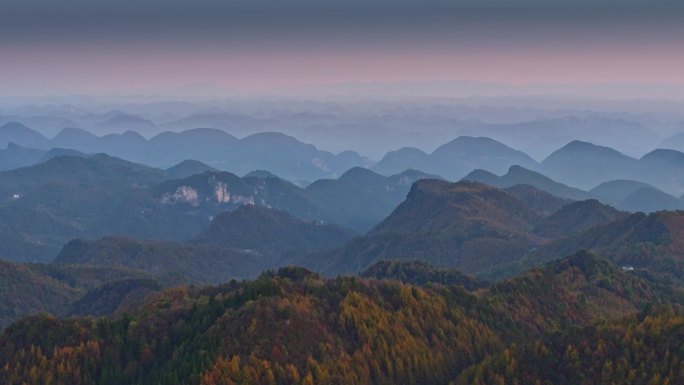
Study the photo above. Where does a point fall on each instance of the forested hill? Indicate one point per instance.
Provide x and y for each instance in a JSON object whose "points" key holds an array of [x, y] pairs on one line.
{"points": [[294, 327], [643, 349]]}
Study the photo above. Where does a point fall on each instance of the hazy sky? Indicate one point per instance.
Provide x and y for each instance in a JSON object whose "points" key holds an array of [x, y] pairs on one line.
{"points": [[87, 46]]}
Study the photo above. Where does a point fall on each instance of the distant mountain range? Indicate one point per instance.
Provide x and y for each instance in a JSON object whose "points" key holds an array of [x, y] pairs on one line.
{"points": [[518, 175], [278, 153], [539, 137], [456, 159], [577, 164], [44, 206], [586, 165]]}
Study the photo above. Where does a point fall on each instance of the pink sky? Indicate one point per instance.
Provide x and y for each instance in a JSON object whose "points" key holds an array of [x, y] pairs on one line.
{"points": [[258, 65]]}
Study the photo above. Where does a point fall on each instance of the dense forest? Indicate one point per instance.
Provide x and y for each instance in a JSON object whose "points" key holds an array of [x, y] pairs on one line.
{"points": [[642, 349], [292, 326]]}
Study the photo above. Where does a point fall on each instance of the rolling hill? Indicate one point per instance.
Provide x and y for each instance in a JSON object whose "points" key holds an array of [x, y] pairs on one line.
{"points": [[652, 242], [269, 230], [518, 175], [13, 132], [28, 289], [292, 326], [457, 158], [188, 168], [483, 230], [368, 196], [194, 263], [236, 245], [279, 153], [465, 225], [586, 165]]}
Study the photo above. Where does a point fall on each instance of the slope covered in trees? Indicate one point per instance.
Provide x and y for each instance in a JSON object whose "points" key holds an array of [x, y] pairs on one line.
{"points": [[195, 263], [293, 327], [469, 226], [30, 289], [237, 244], [421, 273], [639, 350], [270, 230], [448, 225], [653, 242]]}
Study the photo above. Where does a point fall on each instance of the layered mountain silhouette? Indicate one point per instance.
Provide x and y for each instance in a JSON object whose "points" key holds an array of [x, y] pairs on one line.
{"points": [[18, 133], [359, 199], [279, 153], [15, 156], [577, 217], [577, 164], [675, 142], [188, 168], [457, 158], [586, 166], [44, 206], [519, 175], [540, 137], [616, 191], [368, 195], [628, 195], [126, 122]]}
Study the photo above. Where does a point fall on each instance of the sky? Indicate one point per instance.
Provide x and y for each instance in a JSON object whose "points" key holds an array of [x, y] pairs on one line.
{"points": [[258, 46]]}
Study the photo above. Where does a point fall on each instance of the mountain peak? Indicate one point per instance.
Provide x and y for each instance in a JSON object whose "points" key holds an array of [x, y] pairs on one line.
{"points": [[474, 144], [261, 174], [22, 135], [262, 228], [72, 131], [187, 168], [587, 262], [13, 126], [587, 147], [578, 217], [361, 175], [663, 155], [132, 135]]}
